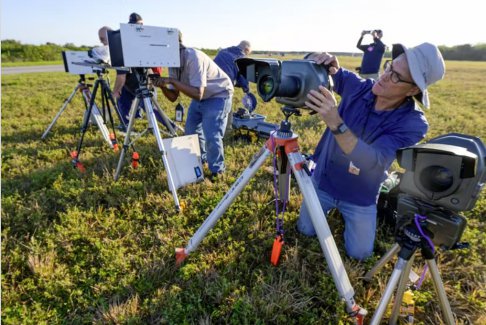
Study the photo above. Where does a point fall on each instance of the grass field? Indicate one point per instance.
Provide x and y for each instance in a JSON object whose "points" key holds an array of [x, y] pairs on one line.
{"points": [[82, 248]]}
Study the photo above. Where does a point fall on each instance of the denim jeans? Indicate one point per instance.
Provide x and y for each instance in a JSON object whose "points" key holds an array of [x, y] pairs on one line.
{"points": [[124, 105], [207, 118], [359, 224]]}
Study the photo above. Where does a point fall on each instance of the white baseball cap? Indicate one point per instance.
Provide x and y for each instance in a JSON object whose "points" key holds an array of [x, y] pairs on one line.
{"points": [[426, 66]]}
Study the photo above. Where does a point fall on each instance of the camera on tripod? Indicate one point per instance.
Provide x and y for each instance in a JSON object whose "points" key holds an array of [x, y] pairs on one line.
{"points": [[142, 46], [443, 176], [289, 81], [372, 31]]}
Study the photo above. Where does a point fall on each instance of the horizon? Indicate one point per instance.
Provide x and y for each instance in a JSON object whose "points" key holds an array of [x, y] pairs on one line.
{"points": [[277, 26]]}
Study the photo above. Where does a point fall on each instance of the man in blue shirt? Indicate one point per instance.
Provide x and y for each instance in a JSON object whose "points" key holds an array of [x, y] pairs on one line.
{"points": [[372, 121], [225, 59], [372, 55]]}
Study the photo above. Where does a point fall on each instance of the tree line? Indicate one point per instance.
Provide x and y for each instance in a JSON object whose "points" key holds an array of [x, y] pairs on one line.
{"points": [[15, 51]]}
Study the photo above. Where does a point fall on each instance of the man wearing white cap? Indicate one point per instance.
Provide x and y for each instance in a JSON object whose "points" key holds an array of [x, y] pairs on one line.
{"points": [[372, 121]]}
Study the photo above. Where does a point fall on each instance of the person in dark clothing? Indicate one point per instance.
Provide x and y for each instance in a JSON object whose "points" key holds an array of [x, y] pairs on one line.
{"points": [[126, 85], [225, 59], [372, 55]]}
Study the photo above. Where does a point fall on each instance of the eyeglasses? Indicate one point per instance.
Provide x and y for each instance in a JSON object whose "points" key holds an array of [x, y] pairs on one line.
{"points": [[395, 77]]}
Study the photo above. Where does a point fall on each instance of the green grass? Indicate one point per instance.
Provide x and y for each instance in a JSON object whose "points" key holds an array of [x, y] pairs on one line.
{"points": [[85, 249]]}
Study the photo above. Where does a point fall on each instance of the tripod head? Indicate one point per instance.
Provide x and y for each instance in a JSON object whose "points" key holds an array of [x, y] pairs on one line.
{"points": [[413, 236], [141, 74], [285, 129]]}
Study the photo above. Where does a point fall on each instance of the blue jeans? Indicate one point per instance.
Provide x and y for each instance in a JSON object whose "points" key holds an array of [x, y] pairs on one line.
{"points": [[207, 118], [359, 224], [124, 105]]}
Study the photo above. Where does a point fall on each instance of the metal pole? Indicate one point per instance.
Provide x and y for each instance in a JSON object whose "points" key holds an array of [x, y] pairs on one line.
{"points": [[160, 144], [227, 199], [63, 107], [385, 299]]}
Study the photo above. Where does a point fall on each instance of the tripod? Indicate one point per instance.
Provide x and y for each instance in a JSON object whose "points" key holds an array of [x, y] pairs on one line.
{"points": [[96, 116], [143, 94], [284, 143], [406, 246], [93, 112]]}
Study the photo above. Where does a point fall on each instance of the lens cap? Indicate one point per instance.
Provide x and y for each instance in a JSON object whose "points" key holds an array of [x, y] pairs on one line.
{"points": [[249, 102]]}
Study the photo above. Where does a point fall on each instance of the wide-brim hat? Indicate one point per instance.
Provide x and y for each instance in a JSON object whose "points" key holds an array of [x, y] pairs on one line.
{"points": [[426, 66]]}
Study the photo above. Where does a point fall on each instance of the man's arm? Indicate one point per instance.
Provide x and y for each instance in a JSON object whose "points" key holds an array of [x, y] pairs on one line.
{"points": [[196, 93], [119, 83], [324, 103], [242, 82], [359, 46]]}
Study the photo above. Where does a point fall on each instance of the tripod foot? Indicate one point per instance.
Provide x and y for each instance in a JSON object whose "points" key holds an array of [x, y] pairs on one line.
{"points": [[76, 163], [135, 159], [114, 142], [180, 256], [359, 314], [181, 207]]}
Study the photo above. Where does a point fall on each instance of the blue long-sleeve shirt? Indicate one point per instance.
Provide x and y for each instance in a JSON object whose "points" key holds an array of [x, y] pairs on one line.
{"points": [[356, 177], [225, 59], [372, 55]]}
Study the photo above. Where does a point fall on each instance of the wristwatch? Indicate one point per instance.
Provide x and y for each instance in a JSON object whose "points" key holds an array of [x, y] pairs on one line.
{"points": [[340, 129]]}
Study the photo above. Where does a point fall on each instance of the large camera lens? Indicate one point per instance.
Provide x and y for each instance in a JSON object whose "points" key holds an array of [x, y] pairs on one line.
{"points": [[266, 86], [436, 178]]}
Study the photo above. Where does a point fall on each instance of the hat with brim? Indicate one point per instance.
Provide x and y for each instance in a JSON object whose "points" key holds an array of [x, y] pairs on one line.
{"points": [[426, 66]]}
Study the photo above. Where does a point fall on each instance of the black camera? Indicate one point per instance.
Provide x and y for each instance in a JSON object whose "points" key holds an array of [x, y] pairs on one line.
{"points": [[289, 81], [442, 177], [448, 171]]}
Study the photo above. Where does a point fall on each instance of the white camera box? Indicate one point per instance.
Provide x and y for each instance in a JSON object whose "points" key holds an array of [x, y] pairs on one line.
{"points": [[184, 159]]}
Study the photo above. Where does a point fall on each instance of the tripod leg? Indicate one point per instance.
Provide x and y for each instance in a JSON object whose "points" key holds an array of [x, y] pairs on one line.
{"points": [[126, 141], [439, 288], [385, 258], [233, 192], [165, 119], [113, 102], [385, 299], [402, 285], [155, 127], [64, 105], [75, 154], [323, 231], [97, 118]]}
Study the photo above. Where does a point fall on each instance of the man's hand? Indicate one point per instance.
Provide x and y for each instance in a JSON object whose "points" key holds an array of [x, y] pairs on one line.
{"points": [[324, 103], [116, 93], [160, 81], [329, 60]]}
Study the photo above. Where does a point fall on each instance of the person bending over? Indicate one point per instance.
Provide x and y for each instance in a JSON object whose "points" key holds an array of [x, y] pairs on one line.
{"points": [[211, 91]]}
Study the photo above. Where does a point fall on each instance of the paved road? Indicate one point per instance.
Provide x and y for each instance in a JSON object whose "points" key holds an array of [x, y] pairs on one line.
{"points": [[32, 69]]}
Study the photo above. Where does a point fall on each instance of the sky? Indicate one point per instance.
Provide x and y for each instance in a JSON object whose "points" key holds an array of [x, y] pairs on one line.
{"points": [[275, 25]]}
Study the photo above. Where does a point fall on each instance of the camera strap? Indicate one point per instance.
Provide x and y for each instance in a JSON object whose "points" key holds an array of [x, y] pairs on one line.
{"points": [[278, 242]]}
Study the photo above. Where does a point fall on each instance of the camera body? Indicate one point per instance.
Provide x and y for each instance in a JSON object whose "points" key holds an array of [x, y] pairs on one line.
{"points": [[442, 177], [448, 171], [379, 31], [445, 227], [289, 81]]}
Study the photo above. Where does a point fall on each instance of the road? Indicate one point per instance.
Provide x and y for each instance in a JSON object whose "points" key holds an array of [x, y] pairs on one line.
{"points": [[32, 69]]}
